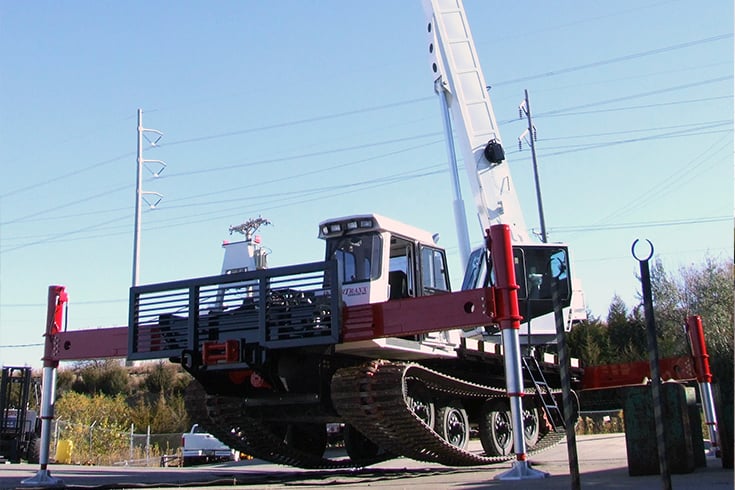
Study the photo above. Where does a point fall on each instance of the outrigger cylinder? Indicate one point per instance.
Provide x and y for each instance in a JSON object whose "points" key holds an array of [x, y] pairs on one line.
{"points": [[695, 331], [509, 319], [57, 299]]}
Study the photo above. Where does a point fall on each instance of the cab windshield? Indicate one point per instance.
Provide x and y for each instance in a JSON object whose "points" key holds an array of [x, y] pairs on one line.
{"points": [[358, 257]]}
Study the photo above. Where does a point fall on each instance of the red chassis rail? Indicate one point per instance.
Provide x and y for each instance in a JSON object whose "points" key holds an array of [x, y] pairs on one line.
{"points": [[684, 368], [636, 373], [77, 345], [462, 309], [395, 318], [98, 343]]}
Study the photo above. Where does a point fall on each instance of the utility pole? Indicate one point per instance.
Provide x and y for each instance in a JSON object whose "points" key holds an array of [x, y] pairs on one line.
{"points": [[139, 192], [530, 135]]}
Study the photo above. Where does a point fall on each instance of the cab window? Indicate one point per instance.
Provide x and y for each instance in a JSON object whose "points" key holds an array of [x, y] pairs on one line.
{"points": [[401, 277], [433, 271], [542, 265], [358, 257]]}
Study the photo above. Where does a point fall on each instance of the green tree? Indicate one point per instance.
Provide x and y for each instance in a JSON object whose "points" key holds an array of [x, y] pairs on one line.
{"points": [[588, 342], [164, 415], [669, 301], [109, 377], [626, 332], [165, 377], [97, 425], [705, 290], [709, 294], [64, 381]]}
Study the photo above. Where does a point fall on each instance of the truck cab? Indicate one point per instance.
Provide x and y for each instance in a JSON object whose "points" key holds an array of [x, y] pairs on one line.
{"points": [[383, 260], [537, 267], [380, 259]]}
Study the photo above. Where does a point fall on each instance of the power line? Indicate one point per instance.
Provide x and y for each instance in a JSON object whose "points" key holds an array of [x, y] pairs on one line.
{"points": [[566, 150], [556, 112], [628, 108], [40, 305], [73, 173], [592, 146], [361, 146], [638, 95], [641, 130], [56, 217], [105, 192], [579, 148], [27, 218], [189, 219], [641, 224], [304, 174], [328, 192], [278, 194], [676, 71], [618, 59], [95, 165], [626, 12], [298, 121], [674, 178], [279, 197], [56, 237]]}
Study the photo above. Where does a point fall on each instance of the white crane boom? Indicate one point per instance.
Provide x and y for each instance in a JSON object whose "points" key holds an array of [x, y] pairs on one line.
{"points": [[460, 80]]}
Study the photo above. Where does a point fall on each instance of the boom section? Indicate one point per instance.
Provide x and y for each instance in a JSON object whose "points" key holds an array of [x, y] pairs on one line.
{"points": [[458, 76]]}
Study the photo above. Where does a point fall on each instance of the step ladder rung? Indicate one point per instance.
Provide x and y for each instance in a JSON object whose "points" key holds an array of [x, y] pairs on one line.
{"points": [[543, 391]]}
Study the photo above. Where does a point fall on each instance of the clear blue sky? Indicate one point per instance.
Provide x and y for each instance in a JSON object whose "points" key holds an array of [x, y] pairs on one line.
{"points": [[300, 111]]}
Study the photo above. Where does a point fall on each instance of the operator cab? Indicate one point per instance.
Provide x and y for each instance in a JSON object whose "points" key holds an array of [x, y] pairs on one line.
{"points": [[536, 266], [380, 259]]}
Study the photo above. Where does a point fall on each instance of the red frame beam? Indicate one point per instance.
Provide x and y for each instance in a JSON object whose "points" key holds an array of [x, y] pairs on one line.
{"points": [[99, 343], [413, 316], [636, 373]]}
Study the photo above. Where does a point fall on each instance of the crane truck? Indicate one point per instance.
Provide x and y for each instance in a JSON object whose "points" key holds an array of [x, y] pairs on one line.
{"points": [[372, 337]]}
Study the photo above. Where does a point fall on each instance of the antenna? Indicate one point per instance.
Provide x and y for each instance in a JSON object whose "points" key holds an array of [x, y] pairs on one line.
{"points": [[140, 194], [249, 227]]}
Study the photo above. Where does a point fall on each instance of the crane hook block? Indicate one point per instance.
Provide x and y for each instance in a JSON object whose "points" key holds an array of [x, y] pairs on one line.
{"points": [[494, 152]]}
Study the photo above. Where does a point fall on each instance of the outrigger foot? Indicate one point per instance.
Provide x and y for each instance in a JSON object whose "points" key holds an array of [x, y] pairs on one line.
{"points": [[522, 470]]}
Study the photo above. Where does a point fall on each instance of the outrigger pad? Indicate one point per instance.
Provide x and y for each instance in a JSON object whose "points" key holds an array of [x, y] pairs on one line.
{"points": [[522, 470], [43, 479]]}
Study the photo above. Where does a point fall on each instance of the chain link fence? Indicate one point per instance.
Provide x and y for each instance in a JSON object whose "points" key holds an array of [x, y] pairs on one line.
{"points": [[600, 422], [111, 444]]}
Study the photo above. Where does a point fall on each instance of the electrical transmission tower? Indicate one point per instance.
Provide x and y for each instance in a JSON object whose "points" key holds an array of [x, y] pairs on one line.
{"points": [[140, 194]]}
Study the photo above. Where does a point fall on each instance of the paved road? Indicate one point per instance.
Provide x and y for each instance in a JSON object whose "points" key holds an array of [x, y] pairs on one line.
{"points": [[603, 465]]}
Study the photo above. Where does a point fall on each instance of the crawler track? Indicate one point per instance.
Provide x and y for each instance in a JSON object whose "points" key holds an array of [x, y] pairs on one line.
{"points": [[370, 397], [226, 419]]}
